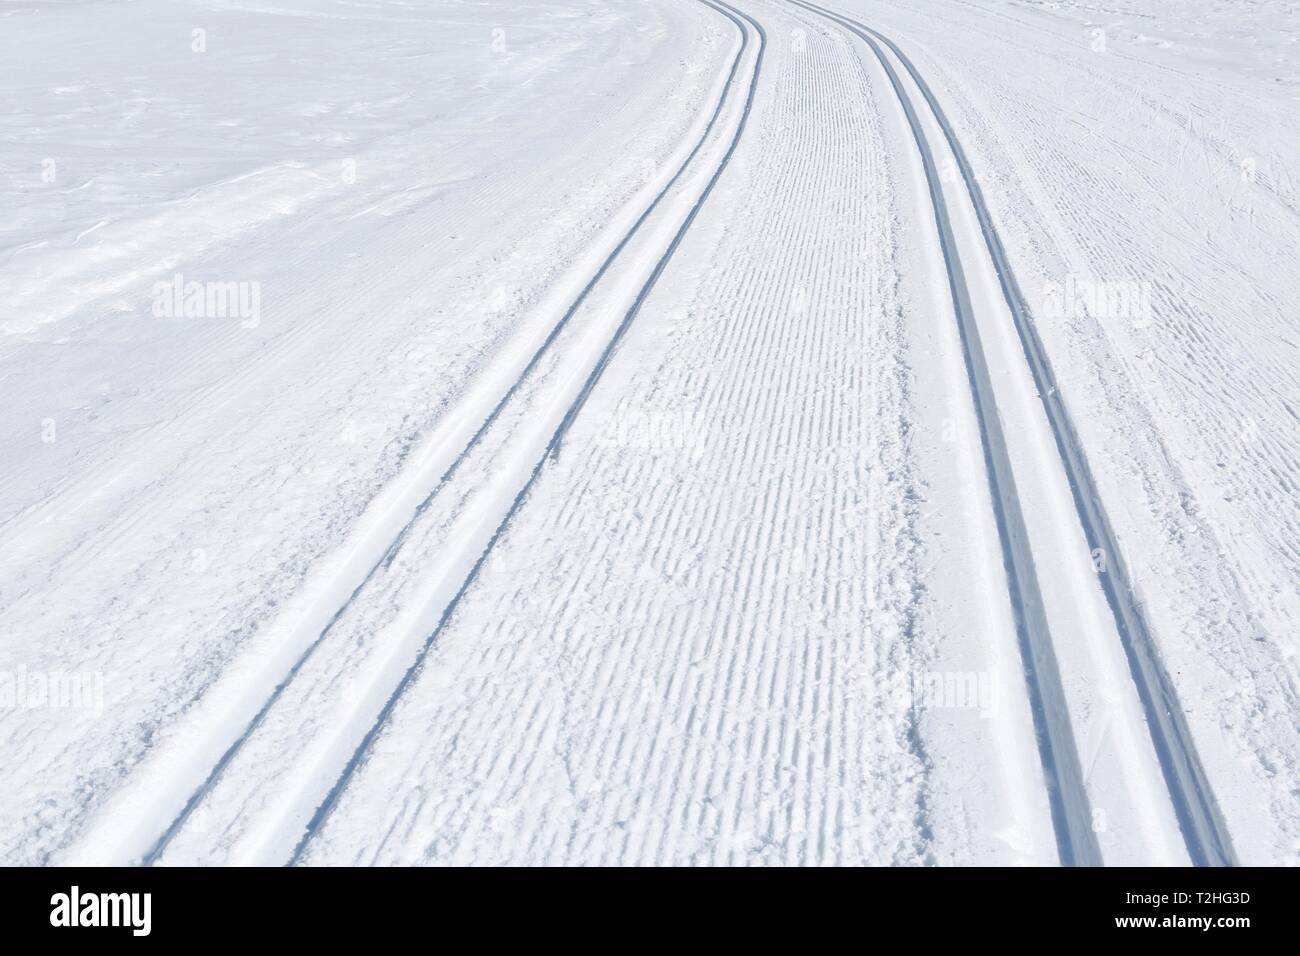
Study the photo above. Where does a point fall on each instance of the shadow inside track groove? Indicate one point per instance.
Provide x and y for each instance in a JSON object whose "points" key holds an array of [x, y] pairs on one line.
{"points": [[1200, 819], [1062, 770], [331, 799], [192, 803]]}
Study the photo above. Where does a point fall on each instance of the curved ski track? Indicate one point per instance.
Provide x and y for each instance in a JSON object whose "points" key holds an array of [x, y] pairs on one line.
{"points": [[1208, 842], [698, 649], [747, 33]]}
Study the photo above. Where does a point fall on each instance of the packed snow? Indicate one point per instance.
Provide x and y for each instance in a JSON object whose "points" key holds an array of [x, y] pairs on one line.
{"points": [[591, 432]]}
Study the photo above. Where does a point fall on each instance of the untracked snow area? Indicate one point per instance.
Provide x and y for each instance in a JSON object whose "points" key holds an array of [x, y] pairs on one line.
{"points": [[551, 431], [1256, 37]]}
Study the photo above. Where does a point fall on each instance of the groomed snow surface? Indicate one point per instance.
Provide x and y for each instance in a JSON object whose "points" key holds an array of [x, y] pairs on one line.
{"points": [[649, 432]]}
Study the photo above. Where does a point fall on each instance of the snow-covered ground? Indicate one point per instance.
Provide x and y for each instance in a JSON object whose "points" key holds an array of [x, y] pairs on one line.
{"points": [[576, 431]]}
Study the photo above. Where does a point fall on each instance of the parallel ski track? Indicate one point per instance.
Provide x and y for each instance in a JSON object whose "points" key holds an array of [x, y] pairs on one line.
{"points": [[331, 800], [156, 851], [724, 634], [1200, 820], [1067, 795]]}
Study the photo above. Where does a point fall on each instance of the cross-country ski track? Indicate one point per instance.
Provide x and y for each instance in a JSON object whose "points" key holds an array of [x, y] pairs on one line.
{"points": [[769, 536]]}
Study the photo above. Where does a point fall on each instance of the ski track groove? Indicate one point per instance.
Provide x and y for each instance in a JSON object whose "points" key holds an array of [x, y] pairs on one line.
{"points": [[113, 530], [160, 846], [553, 448], [1201, 822], [1057, 748], [1210, 482], [765, 368], [763, 670]]}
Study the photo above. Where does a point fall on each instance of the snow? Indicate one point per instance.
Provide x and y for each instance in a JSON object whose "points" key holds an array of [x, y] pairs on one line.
{"points": [[485, 433], [1188, 416]]}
